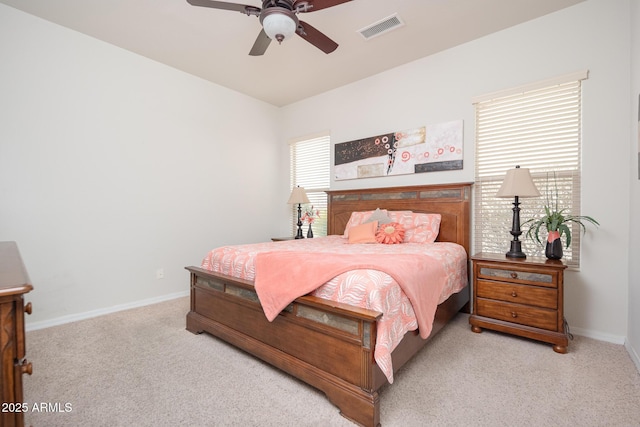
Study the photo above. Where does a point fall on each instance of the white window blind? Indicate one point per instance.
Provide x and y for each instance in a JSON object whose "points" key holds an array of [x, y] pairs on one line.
{"points": [[310, 169], [537, 128]]}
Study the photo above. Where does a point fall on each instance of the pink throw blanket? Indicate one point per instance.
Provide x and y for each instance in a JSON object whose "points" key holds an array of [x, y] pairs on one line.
{"points": [[281, 277]]}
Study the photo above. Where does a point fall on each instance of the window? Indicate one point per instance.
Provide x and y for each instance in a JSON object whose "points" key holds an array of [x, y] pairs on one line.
{"points": [[536, 127], [310, 168]]}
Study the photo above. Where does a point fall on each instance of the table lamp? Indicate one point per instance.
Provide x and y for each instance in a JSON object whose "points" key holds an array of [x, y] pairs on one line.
{"points": [[517, 183], [299, 196]]}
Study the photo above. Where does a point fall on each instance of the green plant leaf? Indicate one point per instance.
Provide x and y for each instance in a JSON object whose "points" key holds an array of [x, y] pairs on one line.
{"points": [[564, 229], [555, 219]]}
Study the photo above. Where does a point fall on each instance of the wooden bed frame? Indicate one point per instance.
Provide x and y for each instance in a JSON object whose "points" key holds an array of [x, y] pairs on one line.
{"points": [[326, 344]]}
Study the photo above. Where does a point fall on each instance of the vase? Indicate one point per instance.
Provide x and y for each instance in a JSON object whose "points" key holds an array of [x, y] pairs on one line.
{"points": [[309, 232], [554, 245]]}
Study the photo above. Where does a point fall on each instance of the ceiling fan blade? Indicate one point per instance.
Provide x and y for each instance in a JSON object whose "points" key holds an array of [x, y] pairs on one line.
{"points": [[260, 45], [316, 38], [242, 8], [314, 5]]}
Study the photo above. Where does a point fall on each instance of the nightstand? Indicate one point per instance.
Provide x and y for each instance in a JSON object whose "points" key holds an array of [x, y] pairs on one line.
{"points": [[520, 296]]}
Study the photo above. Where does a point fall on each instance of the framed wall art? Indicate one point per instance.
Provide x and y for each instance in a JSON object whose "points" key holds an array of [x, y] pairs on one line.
{"points": [[431, 148]]}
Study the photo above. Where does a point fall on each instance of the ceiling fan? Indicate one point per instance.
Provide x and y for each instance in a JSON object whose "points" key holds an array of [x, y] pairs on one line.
{"points": [[279, 21]]}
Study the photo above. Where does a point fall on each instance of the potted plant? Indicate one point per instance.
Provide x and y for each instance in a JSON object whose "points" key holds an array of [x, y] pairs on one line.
{"points": [[557, 223]]}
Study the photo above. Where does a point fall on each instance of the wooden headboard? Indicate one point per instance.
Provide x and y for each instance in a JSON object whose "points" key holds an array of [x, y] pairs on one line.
{"points": [[452, 201]]}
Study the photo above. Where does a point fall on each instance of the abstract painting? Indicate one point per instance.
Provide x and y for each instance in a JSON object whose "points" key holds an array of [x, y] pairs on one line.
{"points": [[430, 148]]}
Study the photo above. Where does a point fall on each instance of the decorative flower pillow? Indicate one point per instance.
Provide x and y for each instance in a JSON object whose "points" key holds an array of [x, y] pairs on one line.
{"points": [[419, 227], [390, 233], [358, 218]]}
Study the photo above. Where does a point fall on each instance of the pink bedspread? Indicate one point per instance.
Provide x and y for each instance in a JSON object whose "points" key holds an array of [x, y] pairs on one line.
{"points": [[281, 277], [367, 287]]}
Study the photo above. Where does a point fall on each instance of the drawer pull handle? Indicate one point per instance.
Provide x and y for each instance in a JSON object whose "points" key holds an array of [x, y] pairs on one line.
{"points": [[514, 314], [514, 275], [27, 368], [27, 308], [514, 294]]}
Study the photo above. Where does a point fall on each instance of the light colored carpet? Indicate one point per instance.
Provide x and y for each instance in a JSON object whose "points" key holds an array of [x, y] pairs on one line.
{"points": [[142, 368]]}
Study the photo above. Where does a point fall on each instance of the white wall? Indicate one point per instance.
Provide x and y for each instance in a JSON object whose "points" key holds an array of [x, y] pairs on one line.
{"points": [[633, 337], [593, 35], [113, 166]]}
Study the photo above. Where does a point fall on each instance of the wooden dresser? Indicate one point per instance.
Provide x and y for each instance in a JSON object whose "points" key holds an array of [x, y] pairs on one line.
{"points": [[520, 296], [14, 283]]}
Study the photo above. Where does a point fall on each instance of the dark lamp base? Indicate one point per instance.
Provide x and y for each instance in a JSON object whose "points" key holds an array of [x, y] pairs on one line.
{"points": [[516, 250], [299, 235]]}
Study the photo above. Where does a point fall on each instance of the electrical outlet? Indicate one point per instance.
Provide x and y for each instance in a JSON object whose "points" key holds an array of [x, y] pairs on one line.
{"points": [[160, 273]]}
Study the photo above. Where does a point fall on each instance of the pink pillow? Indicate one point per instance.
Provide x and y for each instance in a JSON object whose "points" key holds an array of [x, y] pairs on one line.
{"points": [[357, 218], [419, 227], [390, 233], [363, 233]]}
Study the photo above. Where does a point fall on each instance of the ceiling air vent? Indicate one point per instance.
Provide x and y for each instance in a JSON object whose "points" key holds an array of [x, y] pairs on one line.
{"points": [[383, 26]]}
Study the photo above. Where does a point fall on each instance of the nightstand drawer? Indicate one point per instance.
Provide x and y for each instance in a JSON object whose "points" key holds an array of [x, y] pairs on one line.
{"points": [[520, 294], [516, 313], [533, 277]]}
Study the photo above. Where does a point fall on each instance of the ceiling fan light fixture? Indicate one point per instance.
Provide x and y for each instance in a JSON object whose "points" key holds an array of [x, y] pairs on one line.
{"points": [[279, 24]]}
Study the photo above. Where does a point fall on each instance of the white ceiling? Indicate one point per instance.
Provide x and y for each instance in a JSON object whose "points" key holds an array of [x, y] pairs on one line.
{"points": [[214, 44]]}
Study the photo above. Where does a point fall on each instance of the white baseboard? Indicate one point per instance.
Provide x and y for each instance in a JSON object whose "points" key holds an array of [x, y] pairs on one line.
{"points": [[633, 354], [95, 313], [614, 339]]}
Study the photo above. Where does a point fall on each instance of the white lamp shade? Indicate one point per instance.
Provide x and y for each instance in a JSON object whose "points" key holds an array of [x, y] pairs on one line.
{"points": [[298, 196], [518, 182], [279, 26]]}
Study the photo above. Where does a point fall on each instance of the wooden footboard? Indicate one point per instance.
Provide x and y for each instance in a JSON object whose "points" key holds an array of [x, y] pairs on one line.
{"points": [[323, 343]]}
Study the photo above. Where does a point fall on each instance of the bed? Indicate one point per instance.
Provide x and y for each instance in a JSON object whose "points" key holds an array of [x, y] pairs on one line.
{"points": [[339, 339]]}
